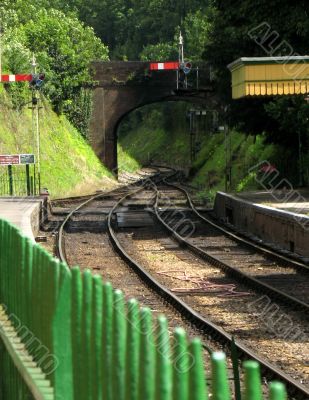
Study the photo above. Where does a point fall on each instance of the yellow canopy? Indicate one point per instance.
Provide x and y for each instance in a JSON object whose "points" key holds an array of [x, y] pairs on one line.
{"points": [[269, 76]]}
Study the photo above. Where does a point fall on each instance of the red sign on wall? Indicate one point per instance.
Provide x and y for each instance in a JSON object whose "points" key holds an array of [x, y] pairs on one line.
{"points": [[16, 78], [9, 159], [174, 65]]}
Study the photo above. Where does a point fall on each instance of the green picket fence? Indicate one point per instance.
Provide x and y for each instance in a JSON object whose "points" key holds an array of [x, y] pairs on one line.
{"points": [[68, 335]]}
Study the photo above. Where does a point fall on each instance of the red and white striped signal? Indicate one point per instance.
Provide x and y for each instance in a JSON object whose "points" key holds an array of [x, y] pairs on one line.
{"points": [[16, 78], [160, 66]]}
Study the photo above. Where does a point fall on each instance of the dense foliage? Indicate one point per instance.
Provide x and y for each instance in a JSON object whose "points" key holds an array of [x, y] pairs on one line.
{"points": [[66, 36], [246, 28], [63, 47], [128, 26]]}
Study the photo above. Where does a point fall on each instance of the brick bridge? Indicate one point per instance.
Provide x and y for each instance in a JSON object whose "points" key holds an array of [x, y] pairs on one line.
{"points": [[122, 87]]}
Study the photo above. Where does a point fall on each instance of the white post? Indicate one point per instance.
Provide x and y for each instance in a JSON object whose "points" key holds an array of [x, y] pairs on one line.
{"points": [[36, 124], [182, 57], [181, 52]]}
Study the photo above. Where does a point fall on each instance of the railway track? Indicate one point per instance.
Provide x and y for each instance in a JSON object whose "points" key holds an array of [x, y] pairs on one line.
{"points": [[276, 255], [261, 268], [76, 204], [163, 286]]}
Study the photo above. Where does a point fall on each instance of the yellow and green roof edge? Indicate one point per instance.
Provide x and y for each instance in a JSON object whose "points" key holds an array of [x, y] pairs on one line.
{"points": [[269, 76]]}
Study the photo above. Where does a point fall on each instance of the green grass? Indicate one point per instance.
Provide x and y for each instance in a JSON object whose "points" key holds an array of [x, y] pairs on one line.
{"points": [[68, 164], [126, 162], [146, 145], [244, 151], [151, 140]]}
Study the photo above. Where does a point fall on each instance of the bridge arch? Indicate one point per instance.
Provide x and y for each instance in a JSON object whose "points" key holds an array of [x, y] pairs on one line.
{"points": [[122, 87]]}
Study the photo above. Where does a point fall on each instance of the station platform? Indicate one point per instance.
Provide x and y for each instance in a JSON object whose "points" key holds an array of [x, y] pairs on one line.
{"points": [[279, 218], [24, 212], [296, 202]]}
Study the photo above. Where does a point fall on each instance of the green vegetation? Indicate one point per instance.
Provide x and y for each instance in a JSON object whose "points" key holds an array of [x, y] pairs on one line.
{"points": [[164, 140], [284, 120], [64, 48], [66, 36], [158, 139], [68, 164], [148, 145], [242, 153], [126, 162]]}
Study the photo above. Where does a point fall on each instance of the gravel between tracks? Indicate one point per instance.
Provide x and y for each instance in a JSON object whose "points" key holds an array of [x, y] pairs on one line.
{"points": [[240, 316], [239, 255], [93, 251]]}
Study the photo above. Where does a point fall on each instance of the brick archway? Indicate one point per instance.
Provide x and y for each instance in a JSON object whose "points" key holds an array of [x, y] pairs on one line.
{"points": [[124, 86]]}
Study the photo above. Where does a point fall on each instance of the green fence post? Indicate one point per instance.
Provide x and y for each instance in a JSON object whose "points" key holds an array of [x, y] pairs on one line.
{"points": [[8, 264], [164, 377], [253, 387], [34, 301], [132, 356], [197, 379], [14, 277], [16, 258], [4, 263], [119, 346], [147, 356], [23, 274], [277, 391], [61, 329], [181, 365], [28, 281], [2, 258], [77, 344], [54, 287], [23, 279], [97, 319], [86, 336], [220, 386], [107, 341], [235, 362], [39, 299], [49, 298]]}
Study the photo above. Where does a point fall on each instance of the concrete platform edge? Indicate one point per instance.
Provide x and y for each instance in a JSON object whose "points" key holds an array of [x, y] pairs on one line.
{"points": [[284, 228], [24, 212]]}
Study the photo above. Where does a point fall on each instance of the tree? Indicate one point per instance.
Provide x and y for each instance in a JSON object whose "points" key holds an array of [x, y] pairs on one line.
{"points": [[159, 52], [128, 26], [196, 30], [233, 24], [64, 49]]}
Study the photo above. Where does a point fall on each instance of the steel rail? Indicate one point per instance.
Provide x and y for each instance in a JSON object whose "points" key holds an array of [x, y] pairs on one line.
{"points": [[255, 283], [216, 332], [290, 262], [281, 296], [202, 323], [60, 235]]}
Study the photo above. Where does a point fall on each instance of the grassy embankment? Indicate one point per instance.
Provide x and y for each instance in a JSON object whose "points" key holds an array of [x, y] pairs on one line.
{"points": [[151, 140], [68, 164]]}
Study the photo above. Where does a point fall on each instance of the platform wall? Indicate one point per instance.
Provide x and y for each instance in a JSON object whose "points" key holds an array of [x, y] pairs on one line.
{"points": [[289, 230]]}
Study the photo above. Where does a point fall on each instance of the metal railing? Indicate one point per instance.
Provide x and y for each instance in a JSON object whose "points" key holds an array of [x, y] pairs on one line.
{"points": [[17, 180], [66, 334]]}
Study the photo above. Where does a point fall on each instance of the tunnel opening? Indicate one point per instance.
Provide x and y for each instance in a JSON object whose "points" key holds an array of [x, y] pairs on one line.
{"points": [[169, 133]]}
